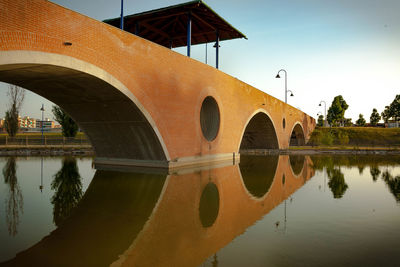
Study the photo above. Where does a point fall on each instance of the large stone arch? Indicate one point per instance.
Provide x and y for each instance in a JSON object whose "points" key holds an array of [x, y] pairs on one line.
{"points": [[116, 123], [297, 135], [259, 133]]}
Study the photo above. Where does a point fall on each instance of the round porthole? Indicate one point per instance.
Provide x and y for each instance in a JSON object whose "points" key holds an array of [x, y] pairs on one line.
{"points": [[209, 118], [209, 205], [283, 123]]}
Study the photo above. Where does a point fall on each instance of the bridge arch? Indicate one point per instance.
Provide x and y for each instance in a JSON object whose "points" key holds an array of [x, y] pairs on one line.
{"points": [[297, 135], [259, 133], [116, 123]]}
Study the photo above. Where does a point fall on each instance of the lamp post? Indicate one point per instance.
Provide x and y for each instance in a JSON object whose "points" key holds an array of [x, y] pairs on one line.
{"points": [[286, 90], [42, 109], [322, 101], [121, 22]]}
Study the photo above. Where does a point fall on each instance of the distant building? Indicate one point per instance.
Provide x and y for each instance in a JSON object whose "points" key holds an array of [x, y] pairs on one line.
{"points": [[2, 125], [393, 124], [26, 122], [47, 124]]}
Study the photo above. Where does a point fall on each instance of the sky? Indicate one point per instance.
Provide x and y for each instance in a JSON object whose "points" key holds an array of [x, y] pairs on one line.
{"points": [[328, 48]]}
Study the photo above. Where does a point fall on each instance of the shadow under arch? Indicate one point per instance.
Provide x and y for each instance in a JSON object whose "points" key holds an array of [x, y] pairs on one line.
{"points": [[297, 136], [258, 173], [116, 123], [297, 163], [259, 133], [110, 216]]}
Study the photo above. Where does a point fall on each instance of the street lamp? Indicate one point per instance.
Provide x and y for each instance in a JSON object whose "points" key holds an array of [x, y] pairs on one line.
{"points": [[322, 101], [286, 90], [42, 109]]}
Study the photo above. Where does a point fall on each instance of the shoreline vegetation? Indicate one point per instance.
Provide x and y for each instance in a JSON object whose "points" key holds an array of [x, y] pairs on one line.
{"points": [[323, 140]]}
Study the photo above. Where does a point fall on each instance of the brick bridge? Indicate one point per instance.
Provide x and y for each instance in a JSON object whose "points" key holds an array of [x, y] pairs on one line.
{"points": [[139, 103]]}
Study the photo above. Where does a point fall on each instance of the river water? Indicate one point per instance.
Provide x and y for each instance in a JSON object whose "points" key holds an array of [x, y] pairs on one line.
{"points": [[266, 211]]}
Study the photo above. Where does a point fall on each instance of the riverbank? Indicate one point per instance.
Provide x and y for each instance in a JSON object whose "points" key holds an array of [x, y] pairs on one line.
{"points": [[59, 150], [48, 150], [312, 150], [355, 137]]}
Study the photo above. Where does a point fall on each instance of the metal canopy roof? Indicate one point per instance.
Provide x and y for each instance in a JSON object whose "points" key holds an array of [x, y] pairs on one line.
{"points": [[168, 26]]}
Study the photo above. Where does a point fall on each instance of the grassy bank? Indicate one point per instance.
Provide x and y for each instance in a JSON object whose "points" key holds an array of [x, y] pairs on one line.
{"points": [[356, 137]]}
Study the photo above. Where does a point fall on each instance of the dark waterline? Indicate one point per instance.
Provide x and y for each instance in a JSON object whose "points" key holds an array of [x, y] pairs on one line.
{"points": [[266, 211]]}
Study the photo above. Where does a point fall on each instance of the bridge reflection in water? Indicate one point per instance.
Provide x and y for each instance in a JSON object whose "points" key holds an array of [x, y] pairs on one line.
{"points": [[180, 219]]}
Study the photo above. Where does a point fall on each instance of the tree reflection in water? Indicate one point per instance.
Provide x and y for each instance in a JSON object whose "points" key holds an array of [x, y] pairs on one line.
{"points": [[393, 183], [15, 201], [68, 190], [375, 172], [336, 183]]}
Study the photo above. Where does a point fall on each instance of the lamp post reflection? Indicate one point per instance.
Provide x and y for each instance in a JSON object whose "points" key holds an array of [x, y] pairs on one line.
{"points": [[41, 175]]}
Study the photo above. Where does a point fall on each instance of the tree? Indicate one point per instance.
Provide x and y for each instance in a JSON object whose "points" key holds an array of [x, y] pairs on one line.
{"points": [[69, 126], [336, 110], [394, 108], [375, 117], [320, 122], [16, 97], [361, 120], [386, 114], [347, 122]]}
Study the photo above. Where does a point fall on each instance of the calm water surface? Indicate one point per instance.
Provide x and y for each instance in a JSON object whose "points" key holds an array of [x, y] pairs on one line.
{"points": [[266, 211]]}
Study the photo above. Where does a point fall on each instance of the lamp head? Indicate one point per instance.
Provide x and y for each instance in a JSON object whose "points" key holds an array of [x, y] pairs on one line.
{"points": [[277, 76], [291, 94], [319, 104]]}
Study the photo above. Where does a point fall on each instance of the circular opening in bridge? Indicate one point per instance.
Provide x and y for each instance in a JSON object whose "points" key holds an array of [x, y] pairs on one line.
{"points": [[209, 205], [209, 118], [284, 123]]}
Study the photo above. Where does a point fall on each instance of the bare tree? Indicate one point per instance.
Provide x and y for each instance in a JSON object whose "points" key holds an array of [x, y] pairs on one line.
{"points": [[16, 97]]}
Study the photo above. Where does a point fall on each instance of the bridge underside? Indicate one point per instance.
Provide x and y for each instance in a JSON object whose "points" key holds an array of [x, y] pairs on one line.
{"points": [[115, 126]]}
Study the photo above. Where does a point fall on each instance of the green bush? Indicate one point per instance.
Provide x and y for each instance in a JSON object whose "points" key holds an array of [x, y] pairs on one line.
{"points": [[327, 138], [343, 138]]}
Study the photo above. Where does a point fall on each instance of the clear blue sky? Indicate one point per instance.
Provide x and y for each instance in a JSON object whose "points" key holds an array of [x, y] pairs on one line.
{"points": [[328, 47]]}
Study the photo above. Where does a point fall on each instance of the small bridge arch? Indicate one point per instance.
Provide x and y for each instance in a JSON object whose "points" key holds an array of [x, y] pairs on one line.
{"points": [[297, 135], [259, 132]]}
